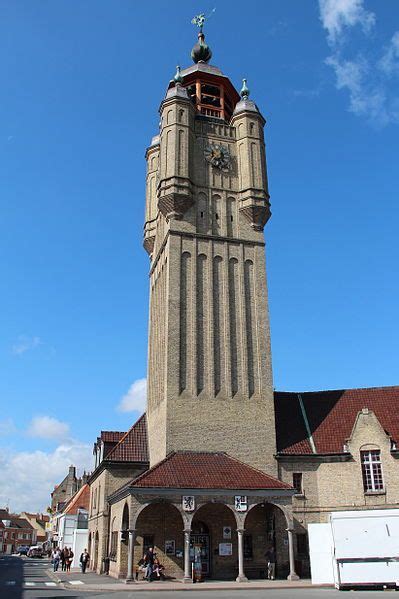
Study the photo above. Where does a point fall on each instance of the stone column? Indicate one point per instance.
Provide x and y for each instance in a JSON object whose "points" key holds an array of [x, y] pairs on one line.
{"points": [[187, 566], [241, 574], [130, 556], [292, 575]]}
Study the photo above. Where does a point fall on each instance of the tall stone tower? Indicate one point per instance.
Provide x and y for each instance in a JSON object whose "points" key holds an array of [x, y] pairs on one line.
{"points": [[209, 364]]}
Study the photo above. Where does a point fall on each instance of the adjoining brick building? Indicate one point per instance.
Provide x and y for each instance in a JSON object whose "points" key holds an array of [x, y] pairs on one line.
{"points": [[119, 456], [16, 531], [221, 467]]}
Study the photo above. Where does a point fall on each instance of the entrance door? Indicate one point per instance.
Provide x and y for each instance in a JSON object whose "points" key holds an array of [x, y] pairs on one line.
{"points": [[199, 543]]}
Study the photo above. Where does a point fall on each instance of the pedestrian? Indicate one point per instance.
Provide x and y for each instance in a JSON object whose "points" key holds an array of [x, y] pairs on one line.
{"points": [[69, 560], [271, 563], [56, 559], [84, 558], [149, 563], [64, 554]]}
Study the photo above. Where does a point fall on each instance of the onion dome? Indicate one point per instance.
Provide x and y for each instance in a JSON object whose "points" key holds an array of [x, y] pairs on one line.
{"points": [[244, 93], [178, 78], [201, 51]]}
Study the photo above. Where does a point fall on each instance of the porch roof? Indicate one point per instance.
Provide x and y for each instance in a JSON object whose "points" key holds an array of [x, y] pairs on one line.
{"points": [[205, 470]]}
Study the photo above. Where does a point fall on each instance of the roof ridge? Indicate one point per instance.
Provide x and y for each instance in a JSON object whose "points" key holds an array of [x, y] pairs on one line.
{"points": [[257, 469], [339, 389]]}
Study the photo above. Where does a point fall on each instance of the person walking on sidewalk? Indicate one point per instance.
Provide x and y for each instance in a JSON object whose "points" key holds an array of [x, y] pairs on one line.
{"points": [[69, 560], [64, 557], [84, 558], [56, 559]]}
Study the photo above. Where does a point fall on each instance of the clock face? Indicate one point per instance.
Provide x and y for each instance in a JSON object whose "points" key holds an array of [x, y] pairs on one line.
{"points": [[218, 156]]}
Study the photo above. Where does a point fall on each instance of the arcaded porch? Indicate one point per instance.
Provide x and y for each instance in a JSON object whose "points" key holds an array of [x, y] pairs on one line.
{"points": [[221, 532]]}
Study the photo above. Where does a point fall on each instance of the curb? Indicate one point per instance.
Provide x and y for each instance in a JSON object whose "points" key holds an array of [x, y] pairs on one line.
{"points": [[192, 588], [53, 575]]}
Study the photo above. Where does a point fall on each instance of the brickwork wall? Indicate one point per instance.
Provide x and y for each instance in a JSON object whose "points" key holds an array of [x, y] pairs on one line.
{"points": [[209, 330], [109, 481]]}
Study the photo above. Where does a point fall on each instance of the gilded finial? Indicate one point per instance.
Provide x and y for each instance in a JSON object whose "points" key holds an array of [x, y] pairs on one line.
{"points": [[244, 93], [199, 21], [178, 78]]}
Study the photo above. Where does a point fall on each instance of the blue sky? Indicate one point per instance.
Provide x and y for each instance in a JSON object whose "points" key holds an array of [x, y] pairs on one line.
{"points": [[82, 84]]}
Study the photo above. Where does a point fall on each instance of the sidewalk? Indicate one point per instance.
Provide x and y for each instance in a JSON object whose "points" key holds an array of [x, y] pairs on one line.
{"points": [[94, 582]]}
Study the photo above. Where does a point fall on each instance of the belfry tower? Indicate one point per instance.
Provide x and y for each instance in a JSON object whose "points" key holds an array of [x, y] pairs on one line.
{"points": [[209, 364]]}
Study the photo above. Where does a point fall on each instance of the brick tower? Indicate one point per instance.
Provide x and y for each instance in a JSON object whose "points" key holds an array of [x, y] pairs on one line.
{"points": [[209, 362]]}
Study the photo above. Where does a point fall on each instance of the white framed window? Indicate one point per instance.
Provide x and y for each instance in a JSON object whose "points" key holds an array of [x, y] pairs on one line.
{"points": [[372, 470]]}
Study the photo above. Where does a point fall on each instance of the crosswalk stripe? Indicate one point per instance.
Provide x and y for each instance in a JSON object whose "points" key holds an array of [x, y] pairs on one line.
{"points": [[76, 582], [10, 583], [30, 584], [50, 584]]}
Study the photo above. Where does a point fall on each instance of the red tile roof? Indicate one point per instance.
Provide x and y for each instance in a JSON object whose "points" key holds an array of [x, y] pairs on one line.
{"points": [[331, 416], [79, 501], [205, 470], [111, 436], [133, 446]]}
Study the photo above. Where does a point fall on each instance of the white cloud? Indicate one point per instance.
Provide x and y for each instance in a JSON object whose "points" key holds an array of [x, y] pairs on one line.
{"points": [[135, 399], [24, 344], [389, 62], [338, 15], [365, 79], [367, 96], [28, 478], [46, 427]]}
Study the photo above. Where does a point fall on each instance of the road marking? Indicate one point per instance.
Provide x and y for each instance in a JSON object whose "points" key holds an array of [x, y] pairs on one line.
{"points": [[50, 584], [10, 583], [30, 584], [76, 582]]}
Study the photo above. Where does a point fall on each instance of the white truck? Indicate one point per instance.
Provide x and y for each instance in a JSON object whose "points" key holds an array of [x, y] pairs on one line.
{"points": [[356, 549]]}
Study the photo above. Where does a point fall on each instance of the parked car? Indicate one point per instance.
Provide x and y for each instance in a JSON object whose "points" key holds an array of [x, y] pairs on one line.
{"points": [[23, 549], [35, 551]]}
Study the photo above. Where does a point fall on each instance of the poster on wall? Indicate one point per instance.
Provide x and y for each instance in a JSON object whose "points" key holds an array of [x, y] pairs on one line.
{"points": [[225, 549], [227, 532], [170, 547]]}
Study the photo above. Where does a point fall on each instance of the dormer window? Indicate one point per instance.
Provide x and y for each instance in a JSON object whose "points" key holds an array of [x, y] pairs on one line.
{"points": [[372, 471]]}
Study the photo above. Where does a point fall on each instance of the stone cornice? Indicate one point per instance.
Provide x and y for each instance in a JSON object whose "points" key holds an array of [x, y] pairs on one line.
{"points": [[164, 492], [314, 457]]}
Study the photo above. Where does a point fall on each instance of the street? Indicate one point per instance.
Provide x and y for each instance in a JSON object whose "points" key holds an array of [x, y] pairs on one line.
{"points": [[23, 578]]}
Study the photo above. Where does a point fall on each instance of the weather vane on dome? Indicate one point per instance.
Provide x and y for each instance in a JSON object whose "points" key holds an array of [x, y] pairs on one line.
{"points": [[200, 19]]}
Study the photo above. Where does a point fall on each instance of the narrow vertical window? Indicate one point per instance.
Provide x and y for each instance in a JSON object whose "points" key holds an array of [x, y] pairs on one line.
{"points": [[297, 482], [372, 470]]}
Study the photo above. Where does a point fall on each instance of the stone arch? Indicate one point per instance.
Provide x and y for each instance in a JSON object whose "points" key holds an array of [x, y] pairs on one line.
{"points": [[214, 530], [158, 523], [267, 523]]}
